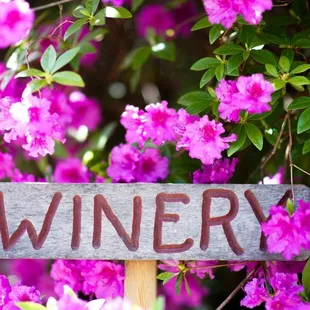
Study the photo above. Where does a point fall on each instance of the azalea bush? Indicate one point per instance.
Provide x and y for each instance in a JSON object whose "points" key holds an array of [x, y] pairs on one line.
{"points": [[180, 91]]}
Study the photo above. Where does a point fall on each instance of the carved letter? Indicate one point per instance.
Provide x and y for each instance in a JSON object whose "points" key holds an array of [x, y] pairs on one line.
{"points": [[161, 217], [225, 220], [259, 214], [76, 229], [25, 225], [132, 243]]}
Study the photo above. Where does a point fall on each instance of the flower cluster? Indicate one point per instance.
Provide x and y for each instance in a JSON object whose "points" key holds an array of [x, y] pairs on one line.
{"points": [[248, 93], [31, 120], [16, 20], [100, 279], [225, 11], [9, 295], [129, 164], [288, 234]]}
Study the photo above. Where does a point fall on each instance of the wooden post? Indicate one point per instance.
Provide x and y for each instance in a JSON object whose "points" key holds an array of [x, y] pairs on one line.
{"points": [[140, 282]]}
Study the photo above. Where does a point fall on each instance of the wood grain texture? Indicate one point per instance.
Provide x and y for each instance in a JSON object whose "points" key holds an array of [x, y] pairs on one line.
{"points": [[141, 282], [183, 219]]}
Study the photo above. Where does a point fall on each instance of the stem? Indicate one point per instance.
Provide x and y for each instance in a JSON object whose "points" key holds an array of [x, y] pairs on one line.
{"points": [[236, 290], [290, 144], [302, 170], [46, 6]]}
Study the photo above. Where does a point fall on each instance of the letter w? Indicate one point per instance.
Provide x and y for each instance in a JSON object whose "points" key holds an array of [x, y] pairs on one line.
{"points": [[25, 225]]}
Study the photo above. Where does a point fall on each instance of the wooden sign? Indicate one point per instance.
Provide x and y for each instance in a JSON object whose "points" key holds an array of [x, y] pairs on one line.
{"points": [[138, 221]]}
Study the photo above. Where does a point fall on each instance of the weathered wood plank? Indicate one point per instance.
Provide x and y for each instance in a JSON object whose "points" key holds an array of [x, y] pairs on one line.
{"points": [[165, 214]]}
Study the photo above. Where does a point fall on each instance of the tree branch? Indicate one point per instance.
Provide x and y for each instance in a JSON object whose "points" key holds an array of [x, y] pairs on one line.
{"points": [[46, 6]]}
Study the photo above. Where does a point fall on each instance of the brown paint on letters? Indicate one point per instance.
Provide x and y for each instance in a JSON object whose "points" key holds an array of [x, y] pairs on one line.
{"points": [[101, 204], [259, 214], [208, 221], [77, 218], [161, 217], [25, 225]]}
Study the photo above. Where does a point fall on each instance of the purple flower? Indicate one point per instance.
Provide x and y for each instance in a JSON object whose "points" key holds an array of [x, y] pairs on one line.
{"points": [[119, 304], [282, 233], [16, 20], [7, 167], [116, 2], [256, 293], [68, 302], [71, 171], [275, 179], [154, 17], [302, 219], [219, 172], [202, 268], [204, 140], [5, 290]]}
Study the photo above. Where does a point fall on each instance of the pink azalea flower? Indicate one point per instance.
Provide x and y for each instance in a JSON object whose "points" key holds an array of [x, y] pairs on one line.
{"points": [[256, 293], [133, 120], [86, 111], [205, 141], [254, 92], [7, 166], [202, 268], [116, 2], [16, 20], [220, 12], [5, 290], [302, 219], [152, 167], [275, 179], [68, 302], [71, 171], [119, 304], [123, 163], [160, 122], [219, 172], [154, 17], [282, 233]]}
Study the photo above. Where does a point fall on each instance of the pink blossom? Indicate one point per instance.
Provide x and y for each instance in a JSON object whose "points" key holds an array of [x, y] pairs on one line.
{"points": [[202, 268], [68, 302], [152, 167], [133, 120], [282, 233], [5, 290], [205, 141], [220, 12], [116, 2], [170, 266], [104, 279], [275, 179], [154, 17], [86, 111], [71, 171], [16, 20], [123, 163], [256, 293], [302, 219], [24, 293], [119, 304], [160, 122], [219, 172], [254, 92], [7, 166]]}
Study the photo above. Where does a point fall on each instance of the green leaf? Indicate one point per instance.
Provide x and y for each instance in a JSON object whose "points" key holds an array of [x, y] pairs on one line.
{"points": [[136, 4], [65, 58], [30, 72], [48, 59], [205, 63], [36, 85], [99, 18], [178, 283], [299, 80], [164, 50], [28, 305], [76, 26], [229, 49], [159, 303], [201, 24], [134, 80], [303, 123], [254, 135], [238, 144], [194, 97], [300, 103], [284, 64], [79, 12], [187, 288], [68, 78], [302, 43], [289, 54], [278, 84], [215, 32], [219, 72], [306, 149], [300, 69], [208, 76], [264, 57], [117, 12], [306, 279], [199, 106], [271, 135], [166, 276], [94, 6], [272, 70], [234, 62], [136, 58]]}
